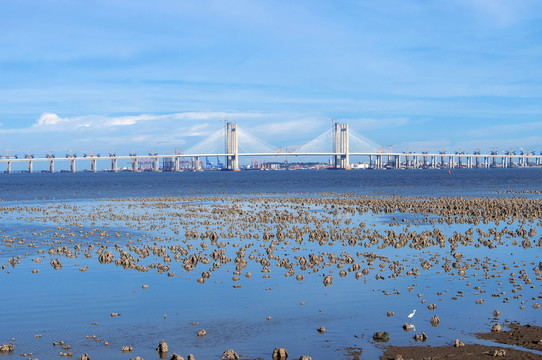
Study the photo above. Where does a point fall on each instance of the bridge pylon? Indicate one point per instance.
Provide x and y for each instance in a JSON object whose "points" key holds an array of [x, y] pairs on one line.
{"points": [[232, 160], [341, 159]]}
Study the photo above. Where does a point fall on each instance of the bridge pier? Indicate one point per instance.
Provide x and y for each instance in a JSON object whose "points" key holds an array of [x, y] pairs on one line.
{"points": [[114, 164], [51, 166], [232, 161], [345, 159], [196, 164], [72, 165], [154, 163], [93, 164], [134, 164], [341, 159], [30, 168], [8, 167], [177, 163]]}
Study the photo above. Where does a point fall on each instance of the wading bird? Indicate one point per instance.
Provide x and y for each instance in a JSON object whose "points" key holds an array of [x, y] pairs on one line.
{"points": [[411, 315]]}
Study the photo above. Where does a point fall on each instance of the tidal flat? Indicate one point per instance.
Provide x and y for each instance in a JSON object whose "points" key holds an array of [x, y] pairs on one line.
{"points": [[317, 274]]}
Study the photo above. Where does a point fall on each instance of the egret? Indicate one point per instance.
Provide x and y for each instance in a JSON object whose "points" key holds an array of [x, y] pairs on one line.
{"points": [[411, 315]]}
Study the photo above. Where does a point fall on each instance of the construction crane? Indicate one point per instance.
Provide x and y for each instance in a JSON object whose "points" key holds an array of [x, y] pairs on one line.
{"points": [[7, 156], [219, 164]]}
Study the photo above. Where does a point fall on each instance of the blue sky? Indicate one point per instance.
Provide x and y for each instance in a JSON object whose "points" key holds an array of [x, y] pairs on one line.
{"points": [[119, 75]]}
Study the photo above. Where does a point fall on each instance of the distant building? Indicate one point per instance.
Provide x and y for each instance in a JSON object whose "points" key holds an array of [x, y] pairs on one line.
{"points": [[359, 166]]}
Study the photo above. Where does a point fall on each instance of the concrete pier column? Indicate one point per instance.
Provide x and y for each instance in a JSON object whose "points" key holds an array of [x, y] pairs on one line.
{"points": [[345, 158], [232, 160], [134, 164], [337, 145], [8, 167], [93, 164], [370, 161], [114, 164], [30, 169], [72, 165], [177, 163], [154, 163], [51, 166]]}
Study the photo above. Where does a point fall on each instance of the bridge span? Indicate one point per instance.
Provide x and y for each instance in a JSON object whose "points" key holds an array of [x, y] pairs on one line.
{"points": [[338, 148]]}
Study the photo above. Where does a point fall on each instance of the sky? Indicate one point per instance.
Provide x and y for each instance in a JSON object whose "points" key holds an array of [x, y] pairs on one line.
{"points": [[151, 76]]}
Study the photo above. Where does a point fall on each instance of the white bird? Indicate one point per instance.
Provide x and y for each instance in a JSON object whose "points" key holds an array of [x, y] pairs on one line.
{"points": [[411, 315]]}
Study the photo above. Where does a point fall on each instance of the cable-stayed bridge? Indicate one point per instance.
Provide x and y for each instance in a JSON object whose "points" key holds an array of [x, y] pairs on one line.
{"points": [[339, 143]]}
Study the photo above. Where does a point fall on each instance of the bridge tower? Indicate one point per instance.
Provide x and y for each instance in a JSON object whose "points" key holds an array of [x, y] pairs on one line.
{"points": [[232, 160], [114, 167], [341, 159]]}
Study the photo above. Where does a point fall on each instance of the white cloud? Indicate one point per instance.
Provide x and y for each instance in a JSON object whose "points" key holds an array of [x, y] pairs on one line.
{"points": [[49, 119], [161, 132], [122, 121]]}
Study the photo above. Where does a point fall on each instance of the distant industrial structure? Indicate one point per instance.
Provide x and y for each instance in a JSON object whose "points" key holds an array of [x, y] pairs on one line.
{"points": [[337, 143]]}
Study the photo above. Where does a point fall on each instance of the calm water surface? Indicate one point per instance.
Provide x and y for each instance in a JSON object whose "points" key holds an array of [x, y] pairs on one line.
{"points": [[62, 304], [80, 186]]}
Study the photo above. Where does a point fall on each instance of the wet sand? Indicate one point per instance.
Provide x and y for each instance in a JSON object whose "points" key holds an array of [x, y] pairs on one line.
{"points": [[468, 352], [523, 336], [527, 336]]}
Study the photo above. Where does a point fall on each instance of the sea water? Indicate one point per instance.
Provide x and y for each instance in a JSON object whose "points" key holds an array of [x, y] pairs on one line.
{"points": [[63, 304]]}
